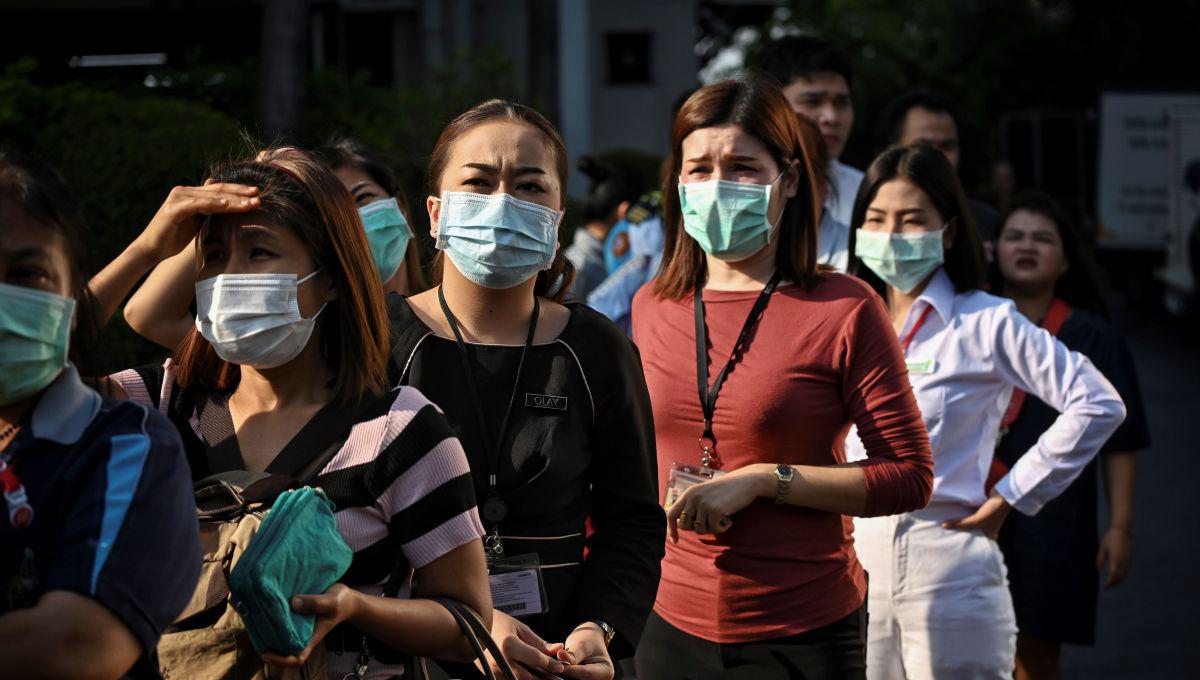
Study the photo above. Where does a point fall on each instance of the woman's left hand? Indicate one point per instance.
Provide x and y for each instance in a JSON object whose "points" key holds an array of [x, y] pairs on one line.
{"points": [[586, 655], [988, 518], [1116, 548], [706, 508], [331, 608]]}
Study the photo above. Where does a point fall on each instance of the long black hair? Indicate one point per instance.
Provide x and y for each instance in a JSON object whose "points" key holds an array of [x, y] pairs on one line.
{"points": [[41, 192], [1077, 286], [928, 168]]}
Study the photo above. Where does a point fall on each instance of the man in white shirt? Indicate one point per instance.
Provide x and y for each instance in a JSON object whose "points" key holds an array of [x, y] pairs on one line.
{"points": [[815, 75]]}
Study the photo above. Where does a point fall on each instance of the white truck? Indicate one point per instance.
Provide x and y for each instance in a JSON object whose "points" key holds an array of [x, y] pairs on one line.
{"points": [[1148, 193]]}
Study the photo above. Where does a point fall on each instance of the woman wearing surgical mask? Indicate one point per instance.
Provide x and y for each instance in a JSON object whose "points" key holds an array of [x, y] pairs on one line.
{"points": [[288, 360], [939, 601], [162, 311], [760, 579], [1054, 558], [384, 212], [549, 400], [98, 545]]}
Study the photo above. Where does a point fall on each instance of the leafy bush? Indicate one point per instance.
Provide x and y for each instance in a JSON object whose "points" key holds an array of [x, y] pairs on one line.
{"points": [[122, 145], [121, 155]]}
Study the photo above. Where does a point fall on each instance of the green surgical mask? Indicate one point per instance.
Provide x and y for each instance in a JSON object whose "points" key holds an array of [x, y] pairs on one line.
{"points": [[728, 219], [903, 261], [35, 331], [388, 233]]}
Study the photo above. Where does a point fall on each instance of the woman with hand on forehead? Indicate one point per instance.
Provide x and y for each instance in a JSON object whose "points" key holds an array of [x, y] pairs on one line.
{"points": [[161, 310], [939, 603], [284, 371], [760, 578], [548, 399]]}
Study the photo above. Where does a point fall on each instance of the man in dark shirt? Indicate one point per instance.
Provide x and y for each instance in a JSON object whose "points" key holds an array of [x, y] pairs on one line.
{"points": [[932, 117]]}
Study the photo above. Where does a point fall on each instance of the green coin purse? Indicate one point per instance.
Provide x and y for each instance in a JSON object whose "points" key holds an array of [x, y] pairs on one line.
{"points": [[296, 551]]}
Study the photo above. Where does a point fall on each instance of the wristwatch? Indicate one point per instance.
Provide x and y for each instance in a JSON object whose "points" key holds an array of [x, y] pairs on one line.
{"points": [[783, 479], [609, 631]]}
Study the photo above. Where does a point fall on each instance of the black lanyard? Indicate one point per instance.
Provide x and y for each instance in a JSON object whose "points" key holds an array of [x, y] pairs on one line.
{"points": [[494, 508], [708, 397]]}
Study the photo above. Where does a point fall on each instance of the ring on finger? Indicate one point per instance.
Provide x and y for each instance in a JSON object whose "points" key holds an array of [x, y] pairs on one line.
{"points": [[683, 518]]}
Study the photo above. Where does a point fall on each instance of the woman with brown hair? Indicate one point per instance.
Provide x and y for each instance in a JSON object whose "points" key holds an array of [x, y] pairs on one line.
{"points": [[287, 362], [161, 308], [549, 399], [760, 578]]}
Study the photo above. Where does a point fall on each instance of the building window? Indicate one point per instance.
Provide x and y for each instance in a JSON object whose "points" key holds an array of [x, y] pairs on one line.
{"points": [[628, 58]]}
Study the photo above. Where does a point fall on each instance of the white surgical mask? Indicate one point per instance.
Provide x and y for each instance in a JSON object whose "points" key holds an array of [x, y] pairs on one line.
{"points": [[253, 319]]}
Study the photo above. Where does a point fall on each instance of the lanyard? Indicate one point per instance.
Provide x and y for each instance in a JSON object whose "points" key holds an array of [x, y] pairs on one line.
{"points": [[494, 508], [916, 327], [1055, 316], [20, 512], [708, 396]]}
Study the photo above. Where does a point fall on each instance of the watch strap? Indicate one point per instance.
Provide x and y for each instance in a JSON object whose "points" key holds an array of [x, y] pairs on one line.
{"points": [[784, 475]]}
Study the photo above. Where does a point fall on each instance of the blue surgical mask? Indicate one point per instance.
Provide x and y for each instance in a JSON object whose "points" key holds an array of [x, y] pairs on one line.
{"points": [[495, 240], [728, 219], [35, 332], [388, 233], [902, 260]]}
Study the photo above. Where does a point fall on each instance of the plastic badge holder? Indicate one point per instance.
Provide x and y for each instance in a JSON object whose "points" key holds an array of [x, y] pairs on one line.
{"points": [[517, 586], [683, 477]]}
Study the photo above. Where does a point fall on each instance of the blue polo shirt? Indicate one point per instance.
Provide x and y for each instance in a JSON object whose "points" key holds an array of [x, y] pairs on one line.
{"points": [[114, 516]]}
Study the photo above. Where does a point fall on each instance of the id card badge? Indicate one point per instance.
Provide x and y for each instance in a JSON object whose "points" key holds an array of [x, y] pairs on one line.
{"points": [[517, 586], [684, 477]]}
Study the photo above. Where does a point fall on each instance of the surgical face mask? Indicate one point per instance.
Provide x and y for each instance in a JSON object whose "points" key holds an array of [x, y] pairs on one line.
{"points": [[253, 319], [903, 261], [388, 233], [35, 332], [495, 240], [728, 219]]}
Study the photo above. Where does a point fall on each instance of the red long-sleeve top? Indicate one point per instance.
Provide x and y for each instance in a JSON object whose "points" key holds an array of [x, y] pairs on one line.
{"points": [[818, 361]]}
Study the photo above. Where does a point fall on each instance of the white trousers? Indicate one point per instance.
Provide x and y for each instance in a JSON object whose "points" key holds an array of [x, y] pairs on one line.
{"points": [[938, 601]]}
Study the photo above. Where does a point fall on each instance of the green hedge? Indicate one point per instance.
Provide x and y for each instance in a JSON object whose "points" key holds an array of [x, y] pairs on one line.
{"points": [[121, 154], [122, 145]]}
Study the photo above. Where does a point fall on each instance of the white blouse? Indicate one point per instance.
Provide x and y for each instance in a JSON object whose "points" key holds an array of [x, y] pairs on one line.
{"points": [[964, 362]]}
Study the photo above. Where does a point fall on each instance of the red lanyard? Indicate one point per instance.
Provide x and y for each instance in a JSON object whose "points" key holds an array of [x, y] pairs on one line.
{"points": [[916, 327], [1055, 317], [20, 512]]}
